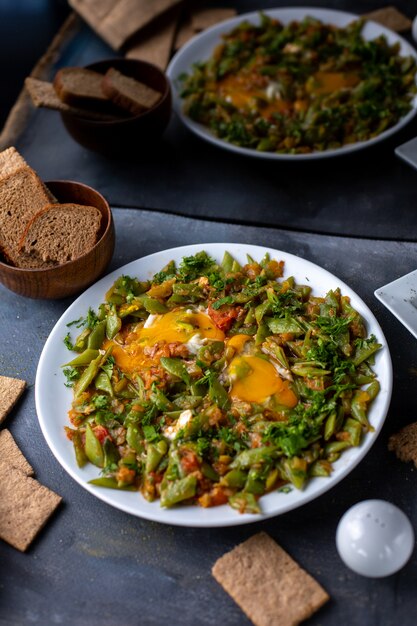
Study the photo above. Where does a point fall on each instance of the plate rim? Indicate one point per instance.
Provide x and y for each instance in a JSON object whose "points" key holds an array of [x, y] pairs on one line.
{"points": [[232, 518], [217, 29]]}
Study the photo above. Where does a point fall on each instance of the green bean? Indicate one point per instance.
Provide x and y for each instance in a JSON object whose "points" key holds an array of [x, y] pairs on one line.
{"points": [[134, 438], [320, 467], [354, 430], [176, 367], [111, 483], [218, 394], [335, 446], [93, 448], [160, 400], [83, 359], [284, 325], [96, 337], [363, 353], [254, 483], [208, 471], [261, 310], [89, 374], [113, 323], [111, 453], [253, 456], [234, 478], [261, 334], [359, 406], [152, 305], [102, 382], [244, 502], [178, 490], [295, 469], [227, 262], [80, 455], [154, 454], [82, 340]]}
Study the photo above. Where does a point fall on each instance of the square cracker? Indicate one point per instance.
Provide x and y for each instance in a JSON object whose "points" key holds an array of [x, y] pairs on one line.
{"points": [[116, 21], [25, 506], [267, 584], [204, 18], [155, 45], [391, 18], [10, 391], [11, 456]]}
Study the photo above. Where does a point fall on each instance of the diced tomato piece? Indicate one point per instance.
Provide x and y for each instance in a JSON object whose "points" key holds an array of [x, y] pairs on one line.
{"points": [[189, 461], [224, 317], [101, 433]]}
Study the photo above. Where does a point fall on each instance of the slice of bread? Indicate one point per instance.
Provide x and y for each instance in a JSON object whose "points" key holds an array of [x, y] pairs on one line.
{"points": [[10, 162], [78, 86], [43, 94], [61, 232], [22, 195], [128, 93]]}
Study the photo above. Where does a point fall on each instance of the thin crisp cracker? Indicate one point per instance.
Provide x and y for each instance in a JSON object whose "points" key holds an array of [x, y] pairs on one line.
{"points": [[25, 507], [267, 584], [404, 443], [184, 33], [204, 18], [11, 456], [391, 18], [10, 391], [116, 22], [156, 44]]}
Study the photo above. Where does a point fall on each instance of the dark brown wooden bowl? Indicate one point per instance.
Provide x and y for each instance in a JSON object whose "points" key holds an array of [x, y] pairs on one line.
{"points": [[127, 135], [72, 277]]}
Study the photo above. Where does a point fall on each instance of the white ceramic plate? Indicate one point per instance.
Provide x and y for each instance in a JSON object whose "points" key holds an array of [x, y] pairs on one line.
{"points": [[201, 47], [400, 297], [53, 399]]}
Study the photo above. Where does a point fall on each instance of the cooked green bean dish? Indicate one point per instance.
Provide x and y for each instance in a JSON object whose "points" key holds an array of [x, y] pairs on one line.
{"points": [[215, 383], [299, 88]]}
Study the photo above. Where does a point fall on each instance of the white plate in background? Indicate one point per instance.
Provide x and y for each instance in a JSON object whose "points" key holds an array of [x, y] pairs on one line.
{"points": [[200, 48]]}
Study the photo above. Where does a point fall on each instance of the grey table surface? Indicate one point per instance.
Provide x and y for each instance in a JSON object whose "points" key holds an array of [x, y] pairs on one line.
{"points": [[93, 564]]}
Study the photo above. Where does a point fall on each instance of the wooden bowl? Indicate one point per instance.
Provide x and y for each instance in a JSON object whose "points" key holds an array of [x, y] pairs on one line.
{"points": [[74, 276], [127, 135]]}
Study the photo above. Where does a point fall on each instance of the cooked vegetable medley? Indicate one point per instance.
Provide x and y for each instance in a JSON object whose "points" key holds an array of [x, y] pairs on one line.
{"points": [[215, 383], [299, 88]]}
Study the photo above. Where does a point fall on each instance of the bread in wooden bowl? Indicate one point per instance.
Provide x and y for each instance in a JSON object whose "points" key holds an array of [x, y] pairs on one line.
{"points": [[147, 109], [53, 280]]}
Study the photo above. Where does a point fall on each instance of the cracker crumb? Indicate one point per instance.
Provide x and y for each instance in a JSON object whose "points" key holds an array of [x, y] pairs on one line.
{"points": [[404, 443]]}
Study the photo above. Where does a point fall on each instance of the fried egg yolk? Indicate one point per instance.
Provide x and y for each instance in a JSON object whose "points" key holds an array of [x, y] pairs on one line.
{"points": [[178, 326], [255, 379]]}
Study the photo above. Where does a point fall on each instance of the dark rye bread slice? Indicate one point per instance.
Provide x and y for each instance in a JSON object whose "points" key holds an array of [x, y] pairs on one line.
{"points": [[128, 93], [61, 232], [22, 195], [81, 87], [78, 86], [11, 161], [44, 95]]}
